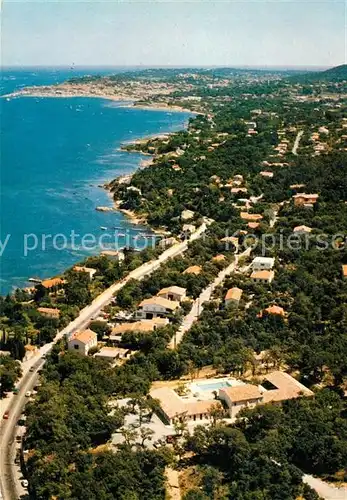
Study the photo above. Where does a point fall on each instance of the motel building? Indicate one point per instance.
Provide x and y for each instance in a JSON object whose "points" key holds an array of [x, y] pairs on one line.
{"points": [[233, 395]]}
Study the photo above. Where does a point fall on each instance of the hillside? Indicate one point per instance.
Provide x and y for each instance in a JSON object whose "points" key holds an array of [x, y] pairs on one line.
{"points": [[335, 74]]}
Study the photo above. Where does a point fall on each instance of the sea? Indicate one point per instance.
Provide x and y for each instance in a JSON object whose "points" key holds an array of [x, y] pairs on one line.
{"points": [[55, 155]]}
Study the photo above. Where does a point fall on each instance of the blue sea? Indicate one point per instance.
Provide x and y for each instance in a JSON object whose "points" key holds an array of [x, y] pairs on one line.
{"points": [[55, 152]]}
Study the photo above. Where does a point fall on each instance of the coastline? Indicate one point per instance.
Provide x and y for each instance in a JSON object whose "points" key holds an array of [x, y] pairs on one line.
{"points": [[147, 161], [128, 102]]}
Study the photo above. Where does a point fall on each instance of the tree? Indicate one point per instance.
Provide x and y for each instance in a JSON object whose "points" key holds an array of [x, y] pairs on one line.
{"points": [[146, 434]]}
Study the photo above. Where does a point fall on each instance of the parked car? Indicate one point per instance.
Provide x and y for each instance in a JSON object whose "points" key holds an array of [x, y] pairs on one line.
{"points": [[6, 415], [25, 483], [171, 438], [28, 394], [15, 391], [31, 369]]}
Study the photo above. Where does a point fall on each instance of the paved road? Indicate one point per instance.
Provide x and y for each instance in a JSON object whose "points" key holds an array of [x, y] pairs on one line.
{"points": [[205, 296], [297, 142], [15, 404], [325, 490]]}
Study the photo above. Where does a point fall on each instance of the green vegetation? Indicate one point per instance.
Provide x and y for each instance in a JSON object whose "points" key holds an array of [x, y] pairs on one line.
{"points": [[215, 169]]}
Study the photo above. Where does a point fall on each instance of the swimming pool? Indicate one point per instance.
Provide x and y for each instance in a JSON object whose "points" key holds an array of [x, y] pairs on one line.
{"points": [[213, 386]]}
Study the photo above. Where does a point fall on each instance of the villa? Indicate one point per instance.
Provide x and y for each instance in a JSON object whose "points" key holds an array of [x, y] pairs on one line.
{"points": [[233, 296], [53, 283], [263, 276], [193, 270], [303, 199], [302, 229], [260, 263], [174, 408], [156, 307], [88, 270], [49, 312], [202, 396], [82, 342], [143, 326], [250, 217], [175, 293]]}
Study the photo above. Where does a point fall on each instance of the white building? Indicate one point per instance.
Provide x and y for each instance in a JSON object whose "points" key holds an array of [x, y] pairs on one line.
{"points": [[242, 396], [175, 293], [261, 263], [112, 354], [82, 342], [156, 307], [187, 214]]}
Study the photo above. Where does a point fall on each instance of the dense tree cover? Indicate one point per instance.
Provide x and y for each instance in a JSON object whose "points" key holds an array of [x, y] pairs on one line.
{"points": [[263, 456], [10, 372], [69, 418], [247, 469], [311, 433]]}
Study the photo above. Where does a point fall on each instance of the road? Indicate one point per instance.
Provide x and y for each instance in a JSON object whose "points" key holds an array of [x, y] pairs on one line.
{"points": [[15, 404], [297, 142], [325, 490], [205, 296]]}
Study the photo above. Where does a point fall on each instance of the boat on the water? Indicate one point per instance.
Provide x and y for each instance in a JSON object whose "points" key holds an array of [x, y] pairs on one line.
{"points": [[35, 280], [103, 228]]}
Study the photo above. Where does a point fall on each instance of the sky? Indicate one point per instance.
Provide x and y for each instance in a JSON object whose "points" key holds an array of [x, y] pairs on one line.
{"points": [[173, 33]]}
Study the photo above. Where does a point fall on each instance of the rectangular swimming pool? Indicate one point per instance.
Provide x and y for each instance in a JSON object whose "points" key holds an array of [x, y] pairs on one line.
{"points": [[213, 386]]}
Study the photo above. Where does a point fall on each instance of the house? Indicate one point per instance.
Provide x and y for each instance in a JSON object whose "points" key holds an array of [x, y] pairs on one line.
{"points": [[174, 408], [88, 270], [275, 388], [189, 228], [302, 199], [250, 217], [267, 174], [253, 225], [53, 283], [239, 397], [176, 293], [167, 242], [115, 255], [344, 271], [156, 307], [49, 312], [187, 215], [233, 296], [236, 190], [274, 310], [143, 326], [302, 229], [82, 341], [112, 354], [230, 239], [218, 258], [280, 386], [263, 276], [260, 263], [193, 270]]}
